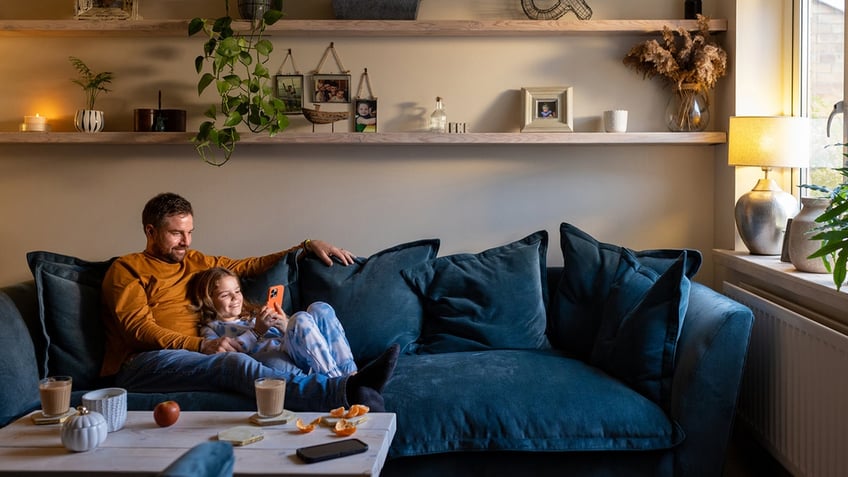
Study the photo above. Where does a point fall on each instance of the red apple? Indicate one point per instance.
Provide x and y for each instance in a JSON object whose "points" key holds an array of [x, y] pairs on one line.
{"points": [[166, 413]]}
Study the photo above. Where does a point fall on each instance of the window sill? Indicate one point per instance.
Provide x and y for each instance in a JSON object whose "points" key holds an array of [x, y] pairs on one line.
{"points": [[810, 294]]}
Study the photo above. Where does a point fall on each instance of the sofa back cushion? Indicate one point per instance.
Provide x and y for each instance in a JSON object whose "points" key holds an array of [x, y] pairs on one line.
{"points": [[622, 310], [69, 305], [18, 368], [376, 307], [284, 272], [491, 300]]}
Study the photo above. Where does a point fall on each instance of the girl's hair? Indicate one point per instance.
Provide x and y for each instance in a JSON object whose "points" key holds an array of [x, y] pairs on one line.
{"points": [[200, 291]]}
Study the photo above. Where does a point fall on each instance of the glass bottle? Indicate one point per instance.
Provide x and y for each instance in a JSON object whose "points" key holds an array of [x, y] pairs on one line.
{"points": [[439, 119]]}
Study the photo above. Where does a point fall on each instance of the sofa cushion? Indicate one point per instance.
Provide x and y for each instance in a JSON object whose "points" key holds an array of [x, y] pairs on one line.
{"points": [[284, 272], [623, 310], [69, 307], [375, 305], [18, 368], [500, 400], [491, 300]]}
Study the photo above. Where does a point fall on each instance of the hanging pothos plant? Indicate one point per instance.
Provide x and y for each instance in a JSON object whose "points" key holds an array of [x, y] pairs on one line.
{"points": [[833, 231], [237, 68]]}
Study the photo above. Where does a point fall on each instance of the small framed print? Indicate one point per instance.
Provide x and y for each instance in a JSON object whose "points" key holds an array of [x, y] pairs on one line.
{"points": [[331, 88], [290, 91], [365, 115], [549, 109]]}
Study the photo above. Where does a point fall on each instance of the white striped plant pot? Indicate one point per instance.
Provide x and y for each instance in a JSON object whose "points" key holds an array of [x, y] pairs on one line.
{"points": [[88, 120]]}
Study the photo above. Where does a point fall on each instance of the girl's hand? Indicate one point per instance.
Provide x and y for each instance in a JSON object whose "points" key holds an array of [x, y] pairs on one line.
{"points": [[268, 318]]}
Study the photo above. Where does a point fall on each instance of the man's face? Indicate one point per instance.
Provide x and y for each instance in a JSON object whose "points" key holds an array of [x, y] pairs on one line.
{"points": [[171, 241]]}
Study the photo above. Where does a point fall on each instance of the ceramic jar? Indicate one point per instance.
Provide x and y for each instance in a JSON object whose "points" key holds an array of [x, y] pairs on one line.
{"points": [[800, 245], [88, 120], [84, 431]]}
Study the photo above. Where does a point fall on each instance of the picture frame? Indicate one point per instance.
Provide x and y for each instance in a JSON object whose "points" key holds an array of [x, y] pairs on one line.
{"points": [[106, 9], [365, 115], [330, 88], [289, 89], [548, 109]]}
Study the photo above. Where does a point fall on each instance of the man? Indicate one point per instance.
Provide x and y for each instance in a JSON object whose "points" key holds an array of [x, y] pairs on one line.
{"points": [[152, 342]]}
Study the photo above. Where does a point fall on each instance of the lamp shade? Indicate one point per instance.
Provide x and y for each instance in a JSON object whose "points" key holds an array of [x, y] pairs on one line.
{"points": [[768, 141]]}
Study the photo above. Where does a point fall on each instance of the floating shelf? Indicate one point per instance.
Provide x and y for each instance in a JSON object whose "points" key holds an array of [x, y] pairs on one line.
{"points": [[354, 28], [374, 139]]}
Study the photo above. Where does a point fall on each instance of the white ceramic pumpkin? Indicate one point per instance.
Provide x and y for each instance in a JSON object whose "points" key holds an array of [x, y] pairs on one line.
{"points": [[84, 431]]}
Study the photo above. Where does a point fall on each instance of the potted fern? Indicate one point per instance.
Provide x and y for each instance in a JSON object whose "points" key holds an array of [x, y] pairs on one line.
{"points": [[236, 64], [833, 229], [89, 119]]}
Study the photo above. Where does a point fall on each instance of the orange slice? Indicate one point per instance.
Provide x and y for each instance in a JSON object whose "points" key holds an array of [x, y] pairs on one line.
{"points": [[357, 410], [344, 428], [306, 427], [337, 412]]}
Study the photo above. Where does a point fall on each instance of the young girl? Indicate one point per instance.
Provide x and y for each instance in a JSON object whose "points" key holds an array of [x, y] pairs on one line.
{"points": [[313, 340]]}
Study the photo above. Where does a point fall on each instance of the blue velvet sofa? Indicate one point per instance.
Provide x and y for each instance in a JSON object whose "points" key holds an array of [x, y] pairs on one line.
{"points": [[616, 363]]}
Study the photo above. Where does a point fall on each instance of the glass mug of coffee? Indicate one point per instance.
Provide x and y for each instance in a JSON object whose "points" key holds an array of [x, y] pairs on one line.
{"points": [[55, 393], [270, 396]]}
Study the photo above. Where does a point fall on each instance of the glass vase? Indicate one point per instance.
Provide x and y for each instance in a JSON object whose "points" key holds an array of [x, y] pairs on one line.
{"points": [[687, 109]]}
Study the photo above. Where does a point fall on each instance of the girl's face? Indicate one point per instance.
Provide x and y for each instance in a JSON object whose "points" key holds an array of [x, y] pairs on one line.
{"points": [[227, 298], [363, 109]]}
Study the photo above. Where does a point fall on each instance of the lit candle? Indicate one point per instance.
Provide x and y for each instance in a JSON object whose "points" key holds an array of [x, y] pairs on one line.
{"points": [[34, 123]]}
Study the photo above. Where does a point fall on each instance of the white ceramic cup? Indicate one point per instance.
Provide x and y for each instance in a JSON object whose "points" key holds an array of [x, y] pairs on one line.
{"points": [[111, 402], [615, 120]]}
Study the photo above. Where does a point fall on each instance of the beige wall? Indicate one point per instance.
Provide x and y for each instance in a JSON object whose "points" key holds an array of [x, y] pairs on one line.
{"points": [[86, 200]]}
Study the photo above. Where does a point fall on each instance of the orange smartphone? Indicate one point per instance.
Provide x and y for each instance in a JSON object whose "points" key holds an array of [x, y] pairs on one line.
{"points": [[275, 296]]}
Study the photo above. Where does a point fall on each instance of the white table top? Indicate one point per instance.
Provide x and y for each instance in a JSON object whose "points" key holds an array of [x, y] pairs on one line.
{"points": [[143, 448]]}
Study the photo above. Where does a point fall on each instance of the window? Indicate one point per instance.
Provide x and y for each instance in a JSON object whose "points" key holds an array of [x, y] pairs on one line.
{"points": [[822, 79]]}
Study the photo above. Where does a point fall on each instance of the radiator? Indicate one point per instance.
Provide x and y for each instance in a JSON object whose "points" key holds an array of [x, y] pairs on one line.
{"points": [[794, 395]]}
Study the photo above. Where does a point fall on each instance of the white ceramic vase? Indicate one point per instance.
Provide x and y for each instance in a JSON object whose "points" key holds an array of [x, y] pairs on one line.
{"points": [[800, 245], [88, 120]]}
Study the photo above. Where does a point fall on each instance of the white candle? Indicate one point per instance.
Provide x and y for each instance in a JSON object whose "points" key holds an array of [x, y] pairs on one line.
{"points": [[35, 123]]}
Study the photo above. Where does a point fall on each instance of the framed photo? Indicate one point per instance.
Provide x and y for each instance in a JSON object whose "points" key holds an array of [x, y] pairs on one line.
{"points": [[106, 9], [331, 88], [365, 115], [549, 109], [290, 91]]}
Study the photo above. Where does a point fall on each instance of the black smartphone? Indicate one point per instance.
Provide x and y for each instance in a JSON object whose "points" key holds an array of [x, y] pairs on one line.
{"points": [[331, 450]]}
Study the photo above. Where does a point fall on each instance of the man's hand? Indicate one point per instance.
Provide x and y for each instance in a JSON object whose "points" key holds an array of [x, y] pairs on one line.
{"points": [[223, 344], [325, 252]]}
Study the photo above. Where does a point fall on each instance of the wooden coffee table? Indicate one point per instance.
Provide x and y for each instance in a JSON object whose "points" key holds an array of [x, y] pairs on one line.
{"points": [[143, 448]]}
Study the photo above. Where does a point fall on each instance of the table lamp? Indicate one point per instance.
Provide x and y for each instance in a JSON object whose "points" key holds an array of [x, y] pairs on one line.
{"points": [[767, 142]]}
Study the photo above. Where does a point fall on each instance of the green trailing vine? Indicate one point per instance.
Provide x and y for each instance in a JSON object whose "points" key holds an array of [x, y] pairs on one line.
{"points": [[833, 229], [237, 68]]}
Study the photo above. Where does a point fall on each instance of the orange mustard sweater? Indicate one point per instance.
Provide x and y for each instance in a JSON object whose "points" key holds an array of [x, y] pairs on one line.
{"points": [[146, 306]]}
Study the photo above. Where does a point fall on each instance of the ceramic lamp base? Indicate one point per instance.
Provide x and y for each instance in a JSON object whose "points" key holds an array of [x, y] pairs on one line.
{"points": [[761, 216]]}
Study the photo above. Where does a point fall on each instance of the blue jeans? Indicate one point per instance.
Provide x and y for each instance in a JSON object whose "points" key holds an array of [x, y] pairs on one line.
{"points": [[182, 370]]}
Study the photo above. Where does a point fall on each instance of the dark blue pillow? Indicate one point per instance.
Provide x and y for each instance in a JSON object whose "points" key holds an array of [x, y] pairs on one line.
{"points": [[588, 274], [375, 305], [284, 272], [69, 307], [19, 368], [622, 310], [492, 300]]}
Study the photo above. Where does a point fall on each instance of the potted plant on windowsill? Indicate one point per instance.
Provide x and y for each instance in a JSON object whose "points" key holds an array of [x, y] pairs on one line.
{"points": [[89, 119], [833, 231], [237, 67]]}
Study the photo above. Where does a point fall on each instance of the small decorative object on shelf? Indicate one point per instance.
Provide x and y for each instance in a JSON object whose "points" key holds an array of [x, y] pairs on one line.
{"points": [[376, 9], [557, 10], [801, 246], [107, 9], [89, 119], [365, 114], [316, 116], [35, 123], [548, 109], [691, 9], [253, 9], [289, 86], [439, 118], [691, 68]]}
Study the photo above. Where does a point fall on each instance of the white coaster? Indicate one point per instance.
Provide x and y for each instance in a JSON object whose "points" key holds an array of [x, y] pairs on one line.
{"points": [[241, 435], [283, 418]]}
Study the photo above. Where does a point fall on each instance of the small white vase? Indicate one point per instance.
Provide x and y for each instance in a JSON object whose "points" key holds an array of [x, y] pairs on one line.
{"points": [[88, 120], [800, 245]]}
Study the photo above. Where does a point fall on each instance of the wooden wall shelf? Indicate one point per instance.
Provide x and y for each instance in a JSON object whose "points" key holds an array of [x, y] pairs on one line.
{"points": [[354, 28], [377, 139]]}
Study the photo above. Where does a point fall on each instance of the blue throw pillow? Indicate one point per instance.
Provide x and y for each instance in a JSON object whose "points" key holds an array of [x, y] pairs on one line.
{"points": [[69, 307], [284, 272], [19, 369], [492, 300], [622, 310], [375, 305]]}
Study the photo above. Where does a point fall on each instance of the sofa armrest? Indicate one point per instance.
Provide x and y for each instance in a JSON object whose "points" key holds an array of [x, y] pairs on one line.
{"points": [[711, 356]]}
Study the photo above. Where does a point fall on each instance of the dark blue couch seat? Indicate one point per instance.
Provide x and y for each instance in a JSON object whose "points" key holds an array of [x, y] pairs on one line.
{"points": [[505, 400]]}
